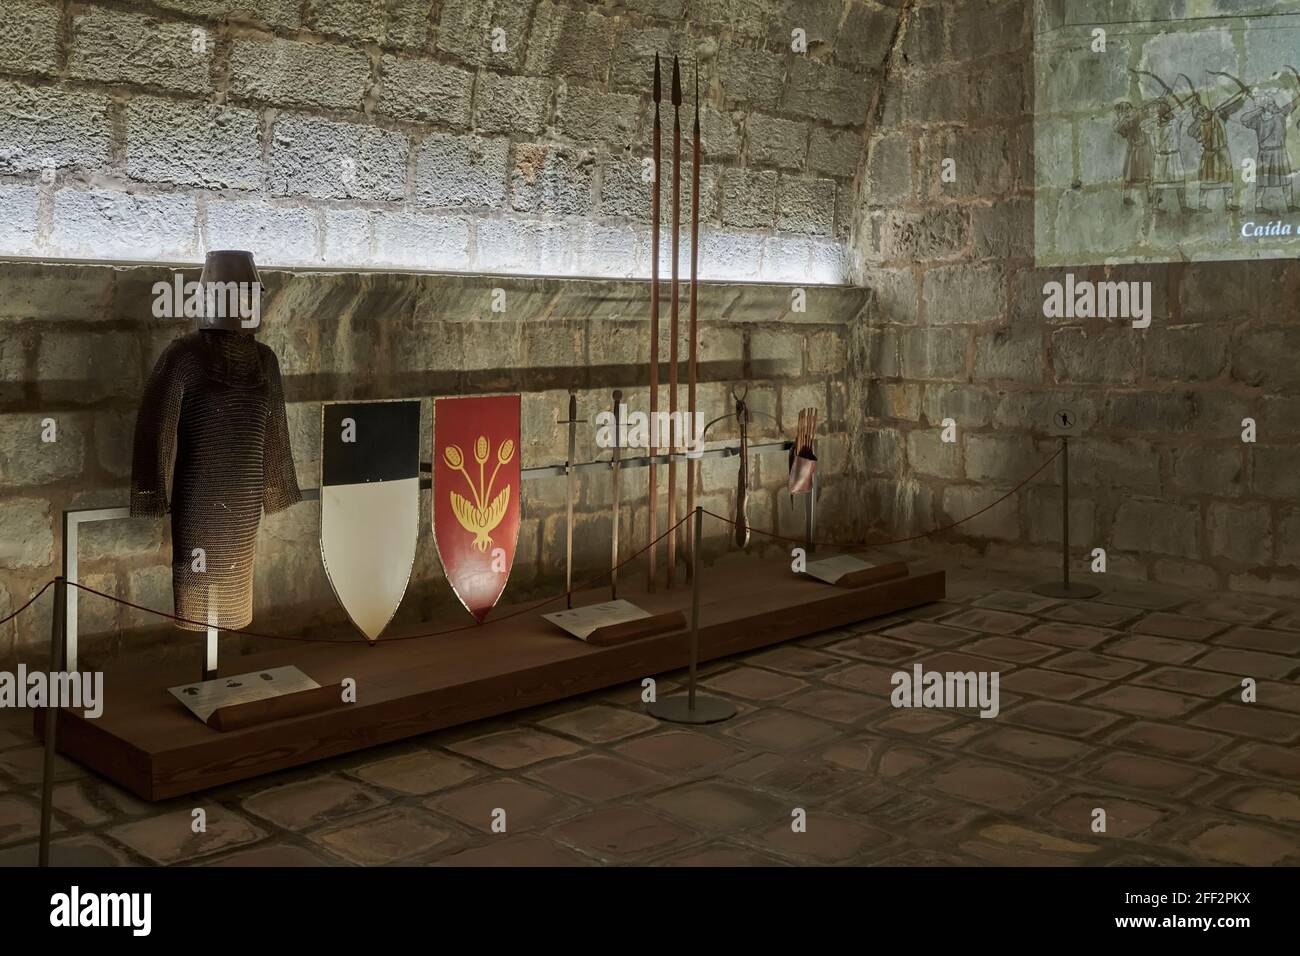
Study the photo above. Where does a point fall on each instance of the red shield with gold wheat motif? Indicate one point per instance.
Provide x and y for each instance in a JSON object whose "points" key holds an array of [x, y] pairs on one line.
{"points": [[476, 495]]}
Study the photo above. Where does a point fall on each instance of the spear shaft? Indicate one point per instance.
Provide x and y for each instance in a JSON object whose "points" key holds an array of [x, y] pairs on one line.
{"points": [[691, 368], [654, 338], [674, 330], [617, 495]]}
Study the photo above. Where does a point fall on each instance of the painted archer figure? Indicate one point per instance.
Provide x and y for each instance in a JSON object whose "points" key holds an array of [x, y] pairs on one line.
{"points": [[1171, 117], [1215, 170], [1268, 120], [1167, 167], [1139, 155]]}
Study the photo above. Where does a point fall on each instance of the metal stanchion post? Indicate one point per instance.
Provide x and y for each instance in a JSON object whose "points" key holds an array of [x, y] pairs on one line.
{"points": [[1066, 589], [694, 709], [57, 637]]}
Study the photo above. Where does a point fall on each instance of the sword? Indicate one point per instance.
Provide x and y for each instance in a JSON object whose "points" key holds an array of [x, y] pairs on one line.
{"points": [[742, 479], [618, 446], [570, 492]]}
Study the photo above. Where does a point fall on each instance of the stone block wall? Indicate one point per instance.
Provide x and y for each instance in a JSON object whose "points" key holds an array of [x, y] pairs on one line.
{"points": [[477, 135], [1162, 479], [76, 343]]}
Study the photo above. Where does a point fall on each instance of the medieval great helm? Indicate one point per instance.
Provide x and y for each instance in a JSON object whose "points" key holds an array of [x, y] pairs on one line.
{"points": [[231, 292]]}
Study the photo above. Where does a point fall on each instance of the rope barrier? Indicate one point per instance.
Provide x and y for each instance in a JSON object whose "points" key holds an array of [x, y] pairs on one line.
{"points": [[30, 602], [527, 609], [915, 537], [530, 608]]}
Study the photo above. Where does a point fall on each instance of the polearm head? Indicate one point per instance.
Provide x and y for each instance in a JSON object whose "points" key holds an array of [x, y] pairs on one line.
{"points": [[677, 84], [657, 78]]}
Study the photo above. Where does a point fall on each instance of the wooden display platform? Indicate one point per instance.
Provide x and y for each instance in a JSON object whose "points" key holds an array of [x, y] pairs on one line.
{"points": [[147, 742]]}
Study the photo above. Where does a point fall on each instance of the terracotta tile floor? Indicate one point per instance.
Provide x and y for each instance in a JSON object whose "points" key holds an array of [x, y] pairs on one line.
{"points": [[1129, 704]]}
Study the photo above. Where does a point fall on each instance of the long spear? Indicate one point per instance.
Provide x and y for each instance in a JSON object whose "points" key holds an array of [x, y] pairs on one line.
{"points": [[617, 465], [654, 337], [694, 332], [674, 330]]}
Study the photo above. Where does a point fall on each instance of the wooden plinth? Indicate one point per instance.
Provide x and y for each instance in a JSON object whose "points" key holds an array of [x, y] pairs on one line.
{"points": [[147, 742]]}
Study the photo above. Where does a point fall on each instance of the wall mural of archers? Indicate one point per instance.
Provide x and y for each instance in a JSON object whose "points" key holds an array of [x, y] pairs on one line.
{"points": [[1153, 135], [1165, 140]]}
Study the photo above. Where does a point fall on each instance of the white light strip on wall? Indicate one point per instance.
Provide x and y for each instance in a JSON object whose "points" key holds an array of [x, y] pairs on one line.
{"points": [[113, 226]]}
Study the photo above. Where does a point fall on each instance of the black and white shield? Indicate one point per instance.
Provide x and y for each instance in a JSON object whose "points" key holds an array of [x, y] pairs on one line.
{"points": [[370, 506]]}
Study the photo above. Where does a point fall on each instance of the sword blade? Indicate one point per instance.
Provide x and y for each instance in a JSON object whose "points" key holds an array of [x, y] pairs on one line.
{"points": [[742, 477]]}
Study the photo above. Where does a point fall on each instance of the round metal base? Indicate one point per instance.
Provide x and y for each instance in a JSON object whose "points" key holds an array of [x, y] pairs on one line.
{"points": [[1058, 589], [708, 710]]}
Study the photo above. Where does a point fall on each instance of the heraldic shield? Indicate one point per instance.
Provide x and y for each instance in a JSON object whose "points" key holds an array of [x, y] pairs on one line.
{"points": [[370, 506], [476, 495]]}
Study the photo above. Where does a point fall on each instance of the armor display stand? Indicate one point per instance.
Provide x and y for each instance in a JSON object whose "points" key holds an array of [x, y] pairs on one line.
{"points": [[691, 708], [210, 647], [212, 425], [210, 658]]}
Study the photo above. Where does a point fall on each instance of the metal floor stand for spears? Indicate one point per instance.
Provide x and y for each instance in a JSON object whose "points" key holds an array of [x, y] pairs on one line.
{"points": [[691, 707]]}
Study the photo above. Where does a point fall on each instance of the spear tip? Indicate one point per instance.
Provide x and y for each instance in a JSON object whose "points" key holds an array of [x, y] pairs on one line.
{"points": [[656, 77], [677, 84]]}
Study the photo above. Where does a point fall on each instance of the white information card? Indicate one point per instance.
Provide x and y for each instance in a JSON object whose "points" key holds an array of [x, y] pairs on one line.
{"points": [[582, 621], [205, 697]]}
